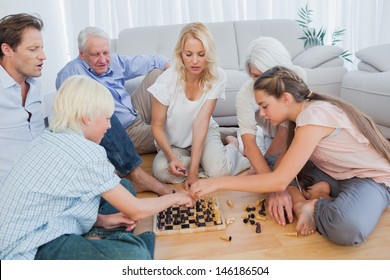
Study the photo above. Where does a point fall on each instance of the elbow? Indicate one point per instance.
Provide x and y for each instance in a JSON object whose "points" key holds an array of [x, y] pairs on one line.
{"points": [[246, 150], [137, 217]]}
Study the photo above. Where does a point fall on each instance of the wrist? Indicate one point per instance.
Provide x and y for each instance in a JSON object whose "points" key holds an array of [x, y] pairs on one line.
{"points": [[100, 220]]}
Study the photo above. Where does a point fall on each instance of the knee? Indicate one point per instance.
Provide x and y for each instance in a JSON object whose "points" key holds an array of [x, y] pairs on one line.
{"points": [[349, 234], [217, 171], [161, 173], [344, 230], [154, 73]]}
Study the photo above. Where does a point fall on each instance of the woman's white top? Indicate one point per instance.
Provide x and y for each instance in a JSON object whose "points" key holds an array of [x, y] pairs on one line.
{"points": [[182, 112]]}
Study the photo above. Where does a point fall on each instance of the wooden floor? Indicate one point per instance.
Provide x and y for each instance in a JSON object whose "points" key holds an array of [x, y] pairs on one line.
{"points": [[271, 244]]}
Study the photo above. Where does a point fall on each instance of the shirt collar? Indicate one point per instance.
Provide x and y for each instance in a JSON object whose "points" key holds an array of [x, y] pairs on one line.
{"points": [[8, 81], [109, 71]]}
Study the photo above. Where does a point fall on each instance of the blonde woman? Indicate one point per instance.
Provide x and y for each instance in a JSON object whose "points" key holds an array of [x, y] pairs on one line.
{"points": [[184, 97], [348, 151], [50, 198]]}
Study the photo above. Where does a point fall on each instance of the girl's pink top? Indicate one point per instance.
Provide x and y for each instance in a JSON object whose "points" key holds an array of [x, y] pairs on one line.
{"points": [[346, 153]]}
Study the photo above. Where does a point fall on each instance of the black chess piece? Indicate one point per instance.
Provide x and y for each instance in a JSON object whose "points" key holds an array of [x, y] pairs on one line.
{"points": [[258, 227]]}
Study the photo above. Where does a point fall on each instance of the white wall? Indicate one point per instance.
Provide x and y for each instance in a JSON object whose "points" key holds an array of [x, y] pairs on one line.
{"points": [[366, 21]]}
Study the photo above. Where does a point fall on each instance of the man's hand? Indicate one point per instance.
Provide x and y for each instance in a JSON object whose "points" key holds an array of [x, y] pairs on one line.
{"points": [[277, 203]]}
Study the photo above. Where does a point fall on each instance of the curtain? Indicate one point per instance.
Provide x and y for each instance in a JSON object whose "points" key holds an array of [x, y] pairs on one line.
{"points": [[365, 21]]}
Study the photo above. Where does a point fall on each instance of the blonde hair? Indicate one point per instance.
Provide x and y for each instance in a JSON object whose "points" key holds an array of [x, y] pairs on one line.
{"points": [[279, 79], [198, 31], [78, 97]]}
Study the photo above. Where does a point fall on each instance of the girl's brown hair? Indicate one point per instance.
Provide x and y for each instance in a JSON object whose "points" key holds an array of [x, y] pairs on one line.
{"points": [[279, 79]]}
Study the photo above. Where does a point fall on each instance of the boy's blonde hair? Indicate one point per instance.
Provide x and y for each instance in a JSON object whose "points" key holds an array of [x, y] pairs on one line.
{"points": [[78, 97]]}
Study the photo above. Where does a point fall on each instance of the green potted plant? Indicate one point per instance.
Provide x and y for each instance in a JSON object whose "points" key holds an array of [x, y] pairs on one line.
{"points": [[316, 38]]}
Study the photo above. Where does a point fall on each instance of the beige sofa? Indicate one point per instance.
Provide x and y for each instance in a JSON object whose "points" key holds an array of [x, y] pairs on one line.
{"points": [[368, 87], [323, 64]]}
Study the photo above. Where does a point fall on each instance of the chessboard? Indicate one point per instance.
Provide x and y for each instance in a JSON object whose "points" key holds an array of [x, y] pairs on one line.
{"points": [[204, 216]]}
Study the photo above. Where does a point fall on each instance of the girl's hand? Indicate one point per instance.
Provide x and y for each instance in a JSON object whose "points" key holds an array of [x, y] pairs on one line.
{"points": [[202, 187], [115, 220]]}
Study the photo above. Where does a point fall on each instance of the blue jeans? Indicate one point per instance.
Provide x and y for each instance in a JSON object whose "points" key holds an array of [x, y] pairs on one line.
{"points": [[120, 150], [116, 245]]}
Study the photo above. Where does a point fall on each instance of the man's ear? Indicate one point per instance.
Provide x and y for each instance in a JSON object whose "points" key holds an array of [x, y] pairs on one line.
{"points": [[6, 49], [82, 56]]}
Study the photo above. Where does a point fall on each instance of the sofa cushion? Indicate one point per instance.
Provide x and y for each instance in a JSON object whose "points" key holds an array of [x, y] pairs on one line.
{"points": [[318, 55], [377, 56], [148, 40], [225, 41], [370, 93], [363, 66], [325, 80]]}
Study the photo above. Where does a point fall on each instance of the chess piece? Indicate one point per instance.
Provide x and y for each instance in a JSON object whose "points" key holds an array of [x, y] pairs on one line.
{"points": [[258, 227], [285, 216], [292, 233], [226, 238]]}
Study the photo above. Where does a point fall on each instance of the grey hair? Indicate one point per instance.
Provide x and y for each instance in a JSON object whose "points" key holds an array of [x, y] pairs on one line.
{"points": [[90, 31], [267, 52]]}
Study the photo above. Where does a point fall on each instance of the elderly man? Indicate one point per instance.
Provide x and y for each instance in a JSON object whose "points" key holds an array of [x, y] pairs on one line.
{"points": [[113, 70]]}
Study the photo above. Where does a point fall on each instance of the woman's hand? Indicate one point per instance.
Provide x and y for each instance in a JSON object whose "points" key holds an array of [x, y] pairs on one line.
{"points": [[115, 220], [175, 167], [191, 179]]}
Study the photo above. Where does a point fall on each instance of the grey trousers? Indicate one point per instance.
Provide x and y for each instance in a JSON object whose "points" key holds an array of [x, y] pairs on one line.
{"points": [[216, 160], [140, 131], [354, 209]]}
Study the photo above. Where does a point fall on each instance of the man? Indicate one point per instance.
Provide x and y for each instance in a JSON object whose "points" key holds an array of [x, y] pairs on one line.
{"points": [[21, 60], [113, 70]]}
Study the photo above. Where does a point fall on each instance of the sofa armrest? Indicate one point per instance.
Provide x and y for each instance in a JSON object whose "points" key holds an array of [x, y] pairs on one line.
{"points": [[319, 56], [375, 58]]}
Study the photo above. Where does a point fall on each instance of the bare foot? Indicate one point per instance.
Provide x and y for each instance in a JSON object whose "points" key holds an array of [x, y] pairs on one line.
{"points": [[232, 141], [304, 210], [320, 189], [142, 182]]}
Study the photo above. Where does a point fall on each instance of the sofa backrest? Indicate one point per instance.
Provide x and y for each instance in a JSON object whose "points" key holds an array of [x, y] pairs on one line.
{"points": [[232, 39], [285, 30], [162, 40]]}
